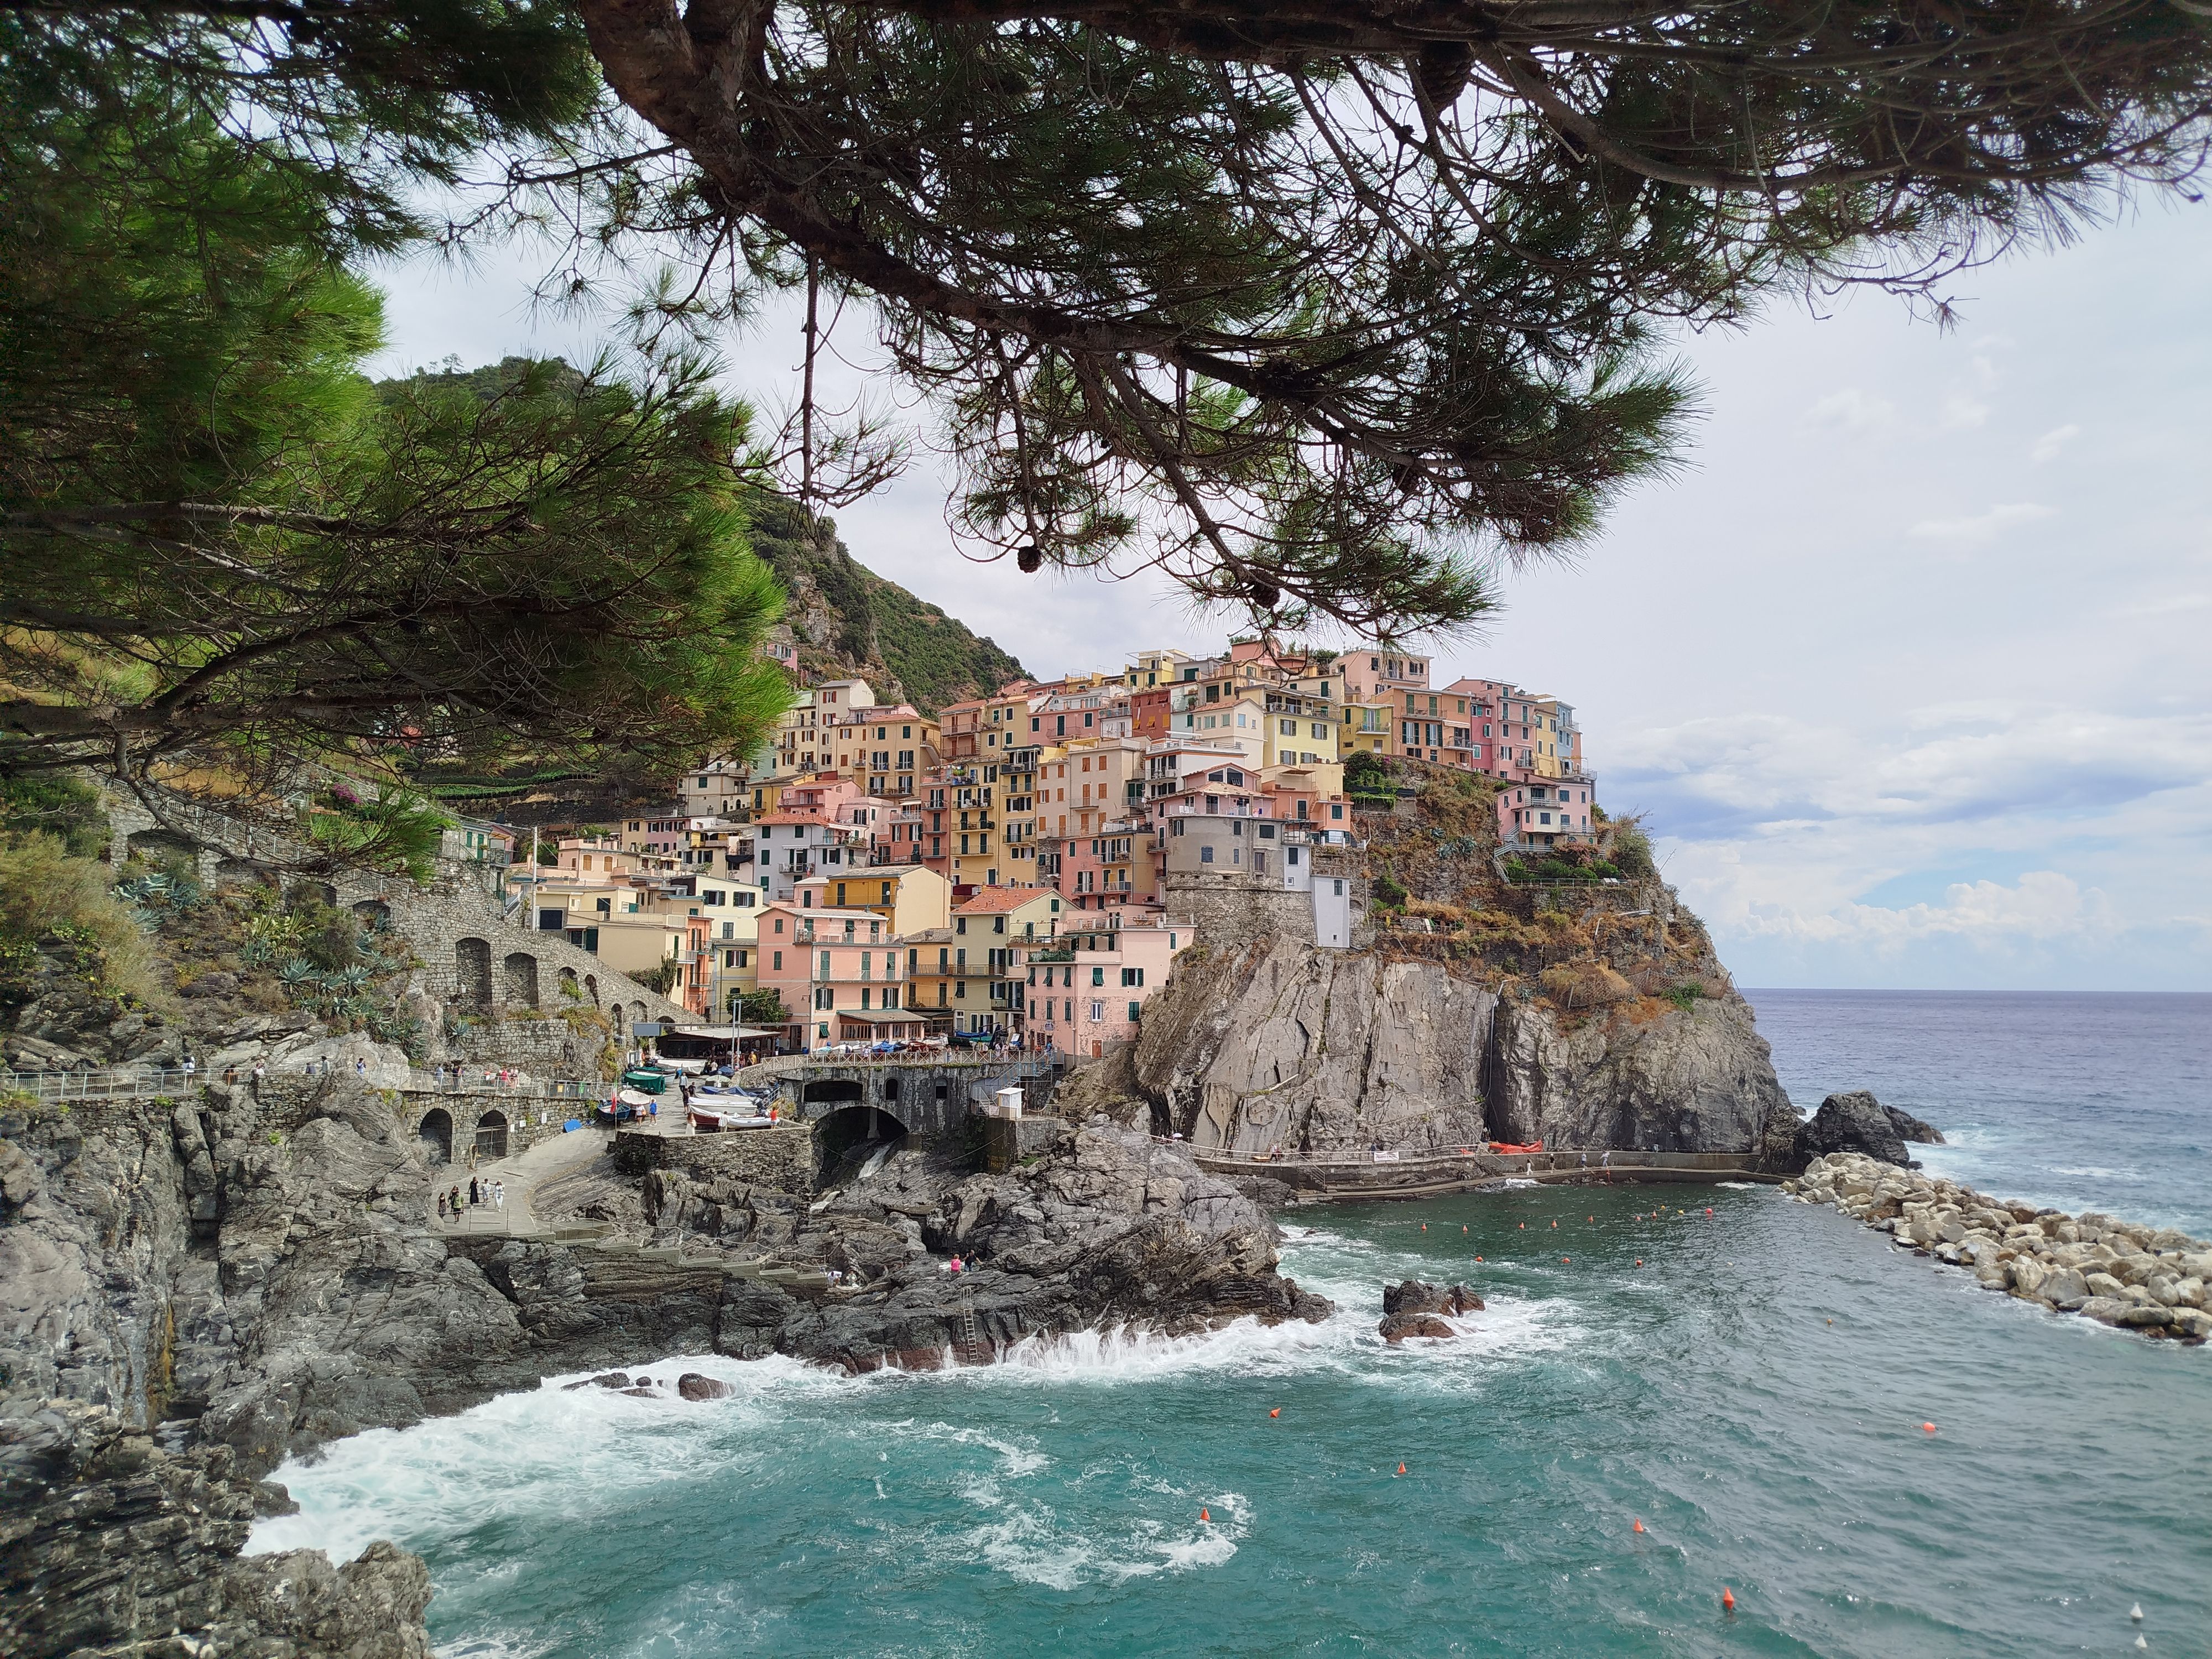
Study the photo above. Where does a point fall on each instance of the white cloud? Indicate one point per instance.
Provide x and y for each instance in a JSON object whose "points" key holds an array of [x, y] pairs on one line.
{"points": [[1961, 413], [2044, 905], [1854, 411], [1979, 529], [2048, 446]]}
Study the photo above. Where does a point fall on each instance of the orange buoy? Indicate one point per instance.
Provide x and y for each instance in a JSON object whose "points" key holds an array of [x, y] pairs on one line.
{"points": [[1728, 1598], [1639, 1260], [1708, 1209], [1425, 1226], [1203, 1515], [1589, 1217], [1277, 1412], [1929, 1427], [1478, 1258], [1524, 1227], [1639, 1525], [1562, 1262], [1401, 1468]]}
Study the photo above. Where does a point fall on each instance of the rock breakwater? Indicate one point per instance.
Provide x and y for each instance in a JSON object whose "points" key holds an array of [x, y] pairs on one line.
{"points": [[2141, 1279]]}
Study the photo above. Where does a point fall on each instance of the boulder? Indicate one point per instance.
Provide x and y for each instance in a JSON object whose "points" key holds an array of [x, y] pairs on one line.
{"points": [[2104, 1285], [2065, 1288], [1910, 1128], [1396, 1328], [692, 1386], [1413, 1296], [1852, 1123]]}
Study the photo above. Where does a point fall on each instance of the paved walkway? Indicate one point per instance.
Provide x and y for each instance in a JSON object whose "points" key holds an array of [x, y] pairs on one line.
{"points": [[554, 1154]]}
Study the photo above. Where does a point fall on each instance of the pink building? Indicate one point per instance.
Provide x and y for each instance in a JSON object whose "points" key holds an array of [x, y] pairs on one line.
{"points": [[1543, 811], [838, 975], [1090, 986]]}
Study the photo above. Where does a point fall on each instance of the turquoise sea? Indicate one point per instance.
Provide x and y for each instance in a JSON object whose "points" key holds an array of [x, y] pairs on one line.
{"points": [[1749, 1384]]}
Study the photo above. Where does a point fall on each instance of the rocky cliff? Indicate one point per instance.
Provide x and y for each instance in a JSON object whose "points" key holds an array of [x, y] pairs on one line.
{"points": [[1278, 1043], [193, 1291]]}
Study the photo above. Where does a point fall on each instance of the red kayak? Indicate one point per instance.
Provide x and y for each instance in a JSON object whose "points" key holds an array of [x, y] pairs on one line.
{"points": [[1510, 1151]]}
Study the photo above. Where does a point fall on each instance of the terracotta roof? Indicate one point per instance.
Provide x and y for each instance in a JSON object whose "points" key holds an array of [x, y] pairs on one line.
{"points": [[990, 900]]}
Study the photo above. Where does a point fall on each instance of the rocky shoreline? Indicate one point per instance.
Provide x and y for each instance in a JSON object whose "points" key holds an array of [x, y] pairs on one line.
{"points": [[2151, 1280], [193, 1291]]}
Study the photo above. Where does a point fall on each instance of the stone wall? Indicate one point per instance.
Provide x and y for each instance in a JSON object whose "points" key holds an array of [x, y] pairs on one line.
{"points": [[781, 1158], [1233, 909], [1008, 1140], [473, 958], [544, 1048]]}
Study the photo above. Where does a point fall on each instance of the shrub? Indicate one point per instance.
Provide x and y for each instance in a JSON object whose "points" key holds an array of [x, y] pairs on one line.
{"points": [[1686, 995], [1584, 985], [47, 891], [1388, 891], [56, 804], [1632, 854]]}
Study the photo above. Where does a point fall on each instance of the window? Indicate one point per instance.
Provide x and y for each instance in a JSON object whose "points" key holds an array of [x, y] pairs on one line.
{"points": [[825, 965], [1098, 1012], [1134, 1011], [1097, 975], [779, 962], [1336, 809], [1290, 728], [1206, 855], [1132, 976]]}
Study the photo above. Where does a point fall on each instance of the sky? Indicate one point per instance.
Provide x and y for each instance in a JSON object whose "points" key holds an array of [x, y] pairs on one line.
{"points": [[1909, 670]]}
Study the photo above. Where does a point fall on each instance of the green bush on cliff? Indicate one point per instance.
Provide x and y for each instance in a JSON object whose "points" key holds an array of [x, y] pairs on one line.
{"points": [[50, 896]]}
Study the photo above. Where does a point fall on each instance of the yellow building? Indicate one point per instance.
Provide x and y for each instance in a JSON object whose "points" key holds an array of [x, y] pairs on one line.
{"points": [[913, 898], [1300, 730], [1369, 726]]}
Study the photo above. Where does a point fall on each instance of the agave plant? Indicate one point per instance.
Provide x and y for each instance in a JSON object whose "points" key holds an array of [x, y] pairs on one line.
{"points": [[295, 973], [257, 953], [347, 979], [152, 888], [275, 927]]}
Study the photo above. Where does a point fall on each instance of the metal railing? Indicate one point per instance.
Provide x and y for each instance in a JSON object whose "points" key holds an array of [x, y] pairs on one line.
{"points": [[111, 1083]]}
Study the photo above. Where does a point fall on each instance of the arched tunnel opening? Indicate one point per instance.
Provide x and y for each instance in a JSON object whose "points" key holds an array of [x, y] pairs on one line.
{"points": [[851, 1135]]}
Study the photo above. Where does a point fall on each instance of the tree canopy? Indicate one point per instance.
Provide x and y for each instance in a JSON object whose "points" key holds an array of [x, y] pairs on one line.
{"points": [[225, 549], [1321, 306]]}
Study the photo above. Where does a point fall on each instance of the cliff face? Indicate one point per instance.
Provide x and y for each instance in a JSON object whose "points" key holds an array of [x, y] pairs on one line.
{"points": [[1281, 1044], [1670, 1079], [1278, 1043]]}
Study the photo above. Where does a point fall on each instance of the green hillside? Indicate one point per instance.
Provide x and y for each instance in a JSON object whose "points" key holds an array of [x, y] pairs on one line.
{"points": [[848, 621]]}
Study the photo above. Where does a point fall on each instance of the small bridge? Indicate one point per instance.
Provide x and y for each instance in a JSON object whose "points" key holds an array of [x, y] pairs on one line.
{"points": [[925, 1095]]}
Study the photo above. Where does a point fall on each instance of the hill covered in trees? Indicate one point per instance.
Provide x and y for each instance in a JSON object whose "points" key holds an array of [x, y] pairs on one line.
{"points": [[848, 622]]}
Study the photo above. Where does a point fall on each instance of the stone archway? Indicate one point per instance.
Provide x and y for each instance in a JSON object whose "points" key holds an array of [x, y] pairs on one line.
{"points": [[472, 961], [436, 1132], [839, 1131], [569, 991], [374, 915], [491, 1134], [522, 978], [591, 989]]}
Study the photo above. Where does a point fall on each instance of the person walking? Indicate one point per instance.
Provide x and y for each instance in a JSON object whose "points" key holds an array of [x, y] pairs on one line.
{"points": [[499, 1195], [472, 1192], [191, 1066], [455, 1201], [441, 1206]]}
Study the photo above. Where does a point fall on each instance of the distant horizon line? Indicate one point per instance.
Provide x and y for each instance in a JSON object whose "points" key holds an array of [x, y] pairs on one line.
{"points": [[1952, 991]]}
